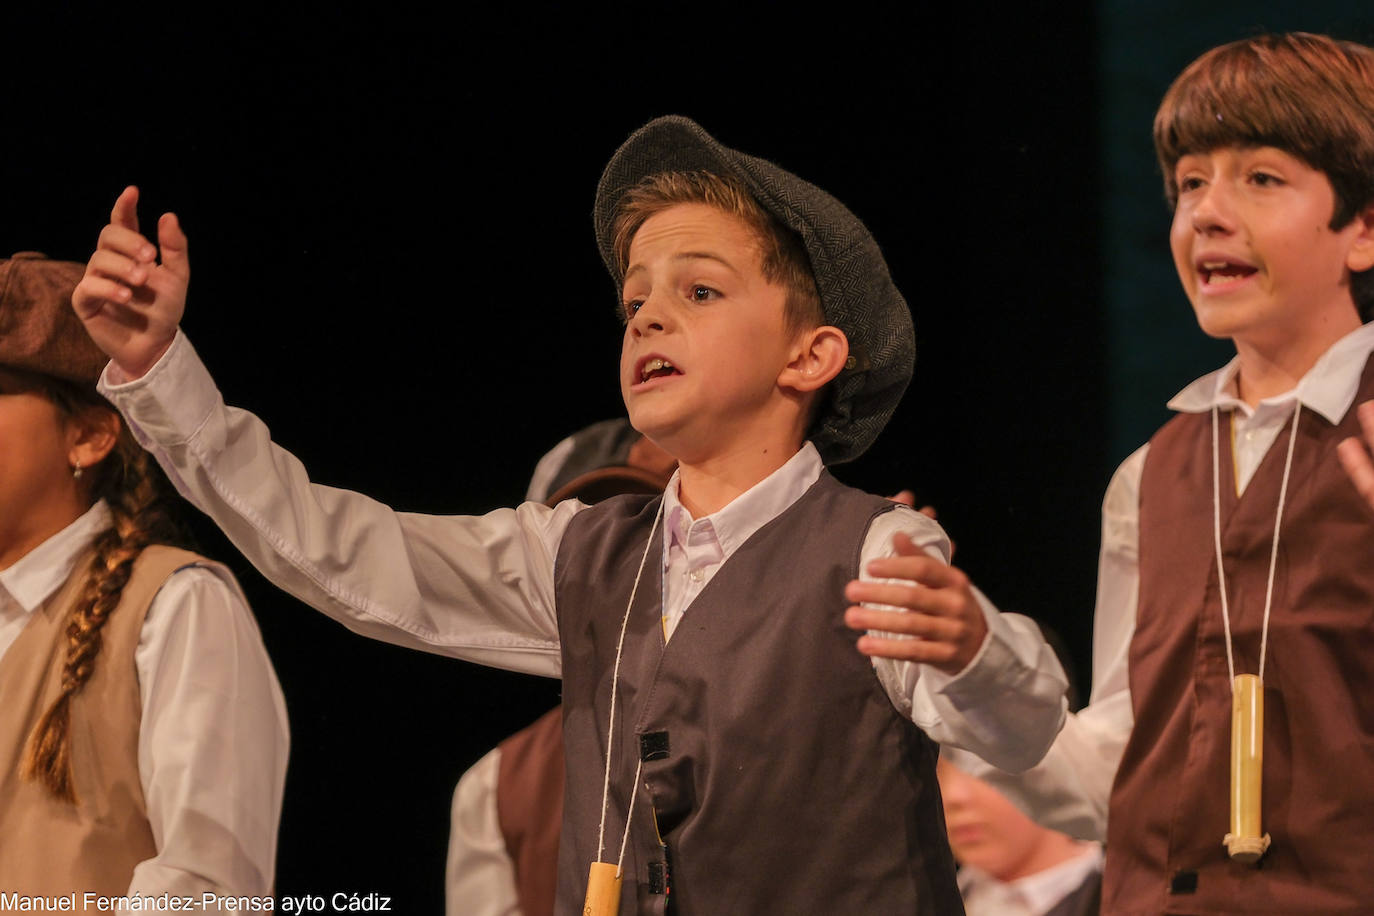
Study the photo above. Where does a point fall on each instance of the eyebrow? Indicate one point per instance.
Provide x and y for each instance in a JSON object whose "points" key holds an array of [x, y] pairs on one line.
{"points": [[689, 256]]}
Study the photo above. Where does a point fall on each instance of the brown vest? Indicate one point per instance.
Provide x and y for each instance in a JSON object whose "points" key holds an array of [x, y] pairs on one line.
{"points": [[776, 771], [1170, 803], [529, 808], [53, 847]]}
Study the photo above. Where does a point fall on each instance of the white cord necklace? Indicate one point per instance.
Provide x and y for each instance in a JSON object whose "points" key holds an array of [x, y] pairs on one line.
{"points": [[1244, 842], [604, 879]]}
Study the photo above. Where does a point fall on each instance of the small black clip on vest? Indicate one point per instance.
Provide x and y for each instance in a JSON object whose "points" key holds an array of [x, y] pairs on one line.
{"points": [[653, 746]]}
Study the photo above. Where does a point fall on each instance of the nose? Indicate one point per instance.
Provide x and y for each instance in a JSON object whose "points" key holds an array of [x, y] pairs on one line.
{"points": [[652, 317], [1212, 210]]}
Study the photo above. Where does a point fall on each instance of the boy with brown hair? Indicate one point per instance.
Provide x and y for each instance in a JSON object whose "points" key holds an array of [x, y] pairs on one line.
{"points": [[728, 750], [1233, 641]]}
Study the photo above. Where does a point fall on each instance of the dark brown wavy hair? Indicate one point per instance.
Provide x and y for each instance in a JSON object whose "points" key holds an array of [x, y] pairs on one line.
{"points": [[134, 488]]}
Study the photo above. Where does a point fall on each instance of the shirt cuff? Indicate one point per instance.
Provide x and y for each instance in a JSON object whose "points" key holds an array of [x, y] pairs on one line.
{"points": [[984, 670], [1011, 695], [173, 400]]}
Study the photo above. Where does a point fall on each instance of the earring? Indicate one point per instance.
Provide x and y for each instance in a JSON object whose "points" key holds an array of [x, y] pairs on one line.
{"points": [[76, 471]]}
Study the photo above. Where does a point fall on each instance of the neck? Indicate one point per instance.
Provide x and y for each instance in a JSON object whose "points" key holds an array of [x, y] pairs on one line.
{"points": [[17, 540], [1272, 368], [707, 486], [1054, 849]]}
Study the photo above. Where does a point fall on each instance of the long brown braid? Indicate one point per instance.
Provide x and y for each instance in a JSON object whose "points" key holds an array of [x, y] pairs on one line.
{"points": [[132, 486]]}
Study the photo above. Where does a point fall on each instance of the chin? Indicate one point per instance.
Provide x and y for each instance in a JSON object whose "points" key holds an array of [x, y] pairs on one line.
{"points": [[661, 430], [1217, 322]]}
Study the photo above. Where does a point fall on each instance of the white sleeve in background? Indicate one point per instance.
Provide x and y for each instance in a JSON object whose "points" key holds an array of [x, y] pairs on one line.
{"points": [[473, 587], [212, 742], [480, 874], [1008, 703], [1071, 788], [541, 481]]}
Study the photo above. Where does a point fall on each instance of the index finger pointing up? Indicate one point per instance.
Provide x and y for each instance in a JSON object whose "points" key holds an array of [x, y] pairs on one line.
{"points": [[125, 210]]}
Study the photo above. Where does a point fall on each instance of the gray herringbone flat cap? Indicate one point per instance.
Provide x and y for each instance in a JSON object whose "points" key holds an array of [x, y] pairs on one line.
{"points": [[857, 293]]}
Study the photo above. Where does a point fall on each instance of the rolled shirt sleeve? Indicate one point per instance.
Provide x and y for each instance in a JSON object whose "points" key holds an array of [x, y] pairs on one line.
{"points": [[1008, 703]]}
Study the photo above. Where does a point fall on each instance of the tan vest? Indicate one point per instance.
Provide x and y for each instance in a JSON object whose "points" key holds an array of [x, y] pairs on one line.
{"points": [[49, 846], [1170, 802]]}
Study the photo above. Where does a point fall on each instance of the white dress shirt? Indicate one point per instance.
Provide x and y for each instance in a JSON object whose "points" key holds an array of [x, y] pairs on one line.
{"points": [[479, 878], [481, 588], [213, 736], [1070, 789]]}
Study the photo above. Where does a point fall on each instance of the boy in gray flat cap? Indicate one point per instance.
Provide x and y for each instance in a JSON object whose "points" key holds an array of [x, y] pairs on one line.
{"points": [[728, 749]]}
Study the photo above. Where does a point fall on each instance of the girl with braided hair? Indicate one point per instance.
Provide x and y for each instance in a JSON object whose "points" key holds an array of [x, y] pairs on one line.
{"points": [[143, 735]]}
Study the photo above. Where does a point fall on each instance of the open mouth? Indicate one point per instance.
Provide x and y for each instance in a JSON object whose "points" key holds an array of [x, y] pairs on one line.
{"points": [[657, 367], [1219, 272]]}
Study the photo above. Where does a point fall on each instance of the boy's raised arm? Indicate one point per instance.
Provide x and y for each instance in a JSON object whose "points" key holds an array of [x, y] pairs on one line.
{"points": [[130, 303], [473, 587]]}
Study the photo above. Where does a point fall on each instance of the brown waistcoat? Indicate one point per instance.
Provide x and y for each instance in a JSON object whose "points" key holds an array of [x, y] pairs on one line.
{"points": [[777, 772], [1170, 802], [52, 847], [529, 808]]}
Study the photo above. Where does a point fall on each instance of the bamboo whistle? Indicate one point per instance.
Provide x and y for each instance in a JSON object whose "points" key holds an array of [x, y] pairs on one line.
{"points": [[603, 890], [1245, 843]]}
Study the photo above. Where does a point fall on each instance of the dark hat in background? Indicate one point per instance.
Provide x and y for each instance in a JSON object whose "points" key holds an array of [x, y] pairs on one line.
{"points": [[39, 331], [857, 293], [600, 461]]}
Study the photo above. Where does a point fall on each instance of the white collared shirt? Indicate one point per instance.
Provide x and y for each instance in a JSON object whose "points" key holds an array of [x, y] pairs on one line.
{"points": [[213, 804], [482, 587], [1033, 895], [1070, 789], [695, 549], [1328, 388]]}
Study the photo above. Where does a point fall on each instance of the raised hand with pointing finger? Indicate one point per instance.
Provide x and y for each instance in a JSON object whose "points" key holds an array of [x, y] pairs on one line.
{"points": [[133, 294]]}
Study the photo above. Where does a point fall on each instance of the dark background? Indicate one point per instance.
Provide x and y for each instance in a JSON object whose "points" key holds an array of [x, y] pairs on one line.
{"points": [[389, 216]]}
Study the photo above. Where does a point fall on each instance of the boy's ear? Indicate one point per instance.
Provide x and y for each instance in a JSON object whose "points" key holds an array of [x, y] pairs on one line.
{"points": [[93, 433], [817, 357], [1360, 257]]}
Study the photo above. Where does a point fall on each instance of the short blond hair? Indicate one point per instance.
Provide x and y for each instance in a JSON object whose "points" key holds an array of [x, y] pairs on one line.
{"points": [[783, 257]]}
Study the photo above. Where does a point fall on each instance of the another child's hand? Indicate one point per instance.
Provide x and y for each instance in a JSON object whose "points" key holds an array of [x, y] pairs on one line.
{"points": [[1354, 454], [131, 304], [941, 610]]}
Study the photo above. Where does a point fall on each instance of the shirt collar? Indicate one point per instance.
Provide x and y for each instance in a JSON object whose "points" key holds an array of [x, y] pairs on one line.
{"points": [[736, 522], [1329, 387], [1039, 892], [40, 572], [1046, 888]]}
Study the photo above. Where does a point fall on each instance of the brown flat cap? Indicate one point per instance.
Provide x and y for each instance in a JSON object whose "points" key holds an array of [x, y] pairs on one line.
{"points": [[39, 331], [857, 292]]}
